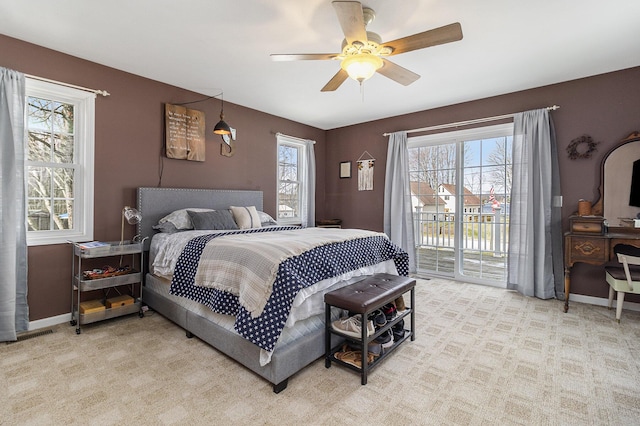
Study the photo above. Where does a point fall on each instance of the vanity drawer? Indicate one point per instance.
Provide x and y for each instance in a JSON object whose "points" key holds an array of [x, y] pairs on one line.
{"points": [[587, 249], [587, 224]]}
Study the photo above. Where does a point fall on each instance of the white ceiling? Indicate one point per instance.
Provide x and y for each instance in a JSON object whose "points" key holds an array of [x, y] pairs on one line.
{"points": [[212, 45]]}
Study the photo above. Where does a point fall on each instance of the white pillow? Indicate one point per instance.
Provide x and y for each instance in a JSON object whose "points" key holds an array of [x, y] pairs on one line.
{"points": [[246, 217], [266, 219], [180, 218]]}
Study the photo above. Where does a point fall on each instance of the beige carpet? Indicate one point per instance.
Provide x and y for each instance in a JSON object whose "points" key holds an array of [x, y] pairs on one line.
{"points": [[483, 356]]}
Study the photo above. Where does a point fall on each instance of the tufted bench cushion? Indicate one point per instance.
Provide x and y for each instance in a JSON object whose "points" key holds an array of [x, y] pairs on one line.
{"points": [[369, 294]]}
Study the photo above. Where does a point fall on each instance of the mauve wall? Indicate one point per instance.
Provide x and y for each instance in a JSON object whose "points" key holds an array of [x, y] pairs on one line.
{"points": [[129, 137], [129, 141], [606, 107]]}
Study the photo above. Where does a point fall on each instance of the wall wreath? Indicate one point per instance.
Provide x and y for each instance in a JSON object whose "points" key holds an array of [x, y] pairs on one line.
{"points": [[577, 150]]}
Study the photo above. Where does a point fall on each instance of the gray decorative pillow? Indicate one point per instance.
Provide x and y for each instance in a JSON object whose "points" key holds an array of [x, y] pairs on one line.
{"points": [[217, 219], [166, 227], [180, 218]]}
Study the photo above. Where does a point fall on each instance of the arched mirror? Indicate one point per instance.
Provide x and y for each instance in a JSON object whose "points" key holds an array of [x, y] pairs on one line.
{"points": [[620, 183]]}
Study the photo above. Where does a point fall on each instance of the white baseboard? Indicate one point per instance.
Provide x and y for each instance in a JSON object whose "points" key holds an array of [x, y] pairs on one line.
{"points": [[580, 298], [600, 301], [49, 322]]}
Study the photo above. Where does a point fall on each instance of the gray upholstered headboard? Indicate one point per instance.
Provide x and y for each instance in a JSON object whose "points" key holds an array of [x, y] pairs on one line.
{"points": [[155, 203]]}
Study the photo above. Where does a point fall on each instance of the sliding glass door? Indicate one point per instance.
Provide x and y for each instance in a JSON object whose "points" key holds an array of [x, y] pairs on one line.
{"points": [[460, 185]]}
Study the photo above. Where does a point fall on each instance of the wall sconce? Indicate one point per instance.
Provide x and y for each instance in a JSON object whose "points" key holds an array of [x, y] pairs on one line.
{"points": [[222, 128]]}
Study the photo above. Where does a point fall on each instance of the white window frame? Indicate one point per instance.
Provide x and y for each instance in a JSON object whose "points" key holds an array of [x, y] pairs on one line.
{"points": [[284, 140], [498, 130], [84, 148]]}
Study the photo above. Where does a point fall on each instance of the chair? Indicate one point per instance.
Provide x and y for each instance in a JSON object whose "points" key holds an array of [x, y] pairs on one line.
{"points": [[623, 279]]}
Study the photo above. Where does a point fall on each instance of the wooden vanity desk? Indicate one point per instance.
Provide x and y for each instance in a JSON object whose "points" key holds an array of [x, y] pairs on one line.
{"points": [[595, 249], [591, 238]]}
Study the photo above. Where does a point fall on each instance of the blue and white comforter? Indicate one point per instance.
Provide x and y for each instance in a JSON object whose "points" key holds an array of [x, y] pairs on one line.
{"points": [[294, 274]]}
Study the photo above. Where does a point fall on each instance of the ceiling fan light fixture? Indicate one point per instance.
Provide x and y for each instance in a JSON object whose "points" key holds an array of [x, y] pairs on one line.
{"points": [[362, 51], [362, 66]]}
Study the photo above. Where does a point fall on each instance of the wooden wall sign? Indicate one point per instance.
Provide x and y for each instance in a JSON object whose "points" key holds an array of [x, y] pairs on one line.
{"points": [[184, 133]]}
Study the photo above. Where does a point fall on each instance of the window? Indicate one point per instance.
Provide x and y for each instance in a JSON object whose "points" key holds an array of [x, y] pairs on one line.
{"points": [[291, 180], [59, 168]]}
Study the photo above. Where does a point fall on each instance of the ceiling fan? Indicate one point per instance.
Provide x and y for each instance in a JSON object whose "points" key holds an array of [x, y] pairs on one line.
{"points": [[363, 53]]}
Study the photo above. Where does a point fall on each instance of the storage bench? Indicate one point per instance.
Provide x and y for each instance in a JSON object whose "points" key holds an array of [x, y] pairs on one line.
{"points": [[365, 297]]}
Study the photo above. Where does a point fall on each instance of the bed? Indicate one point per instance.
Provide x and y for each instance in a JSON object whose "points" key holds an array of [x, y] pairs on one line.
{"points": [[299, 335]]}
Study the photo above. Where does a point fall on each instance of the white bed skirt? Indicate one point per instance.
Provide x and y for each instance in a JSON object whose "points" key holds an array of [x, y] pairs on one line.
{"points": [[307, 312]]}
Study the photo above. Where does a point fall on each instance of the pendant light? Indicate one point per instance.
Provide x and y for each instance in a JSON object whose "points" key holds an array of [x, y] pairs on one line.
{"points": [[222, 128]]}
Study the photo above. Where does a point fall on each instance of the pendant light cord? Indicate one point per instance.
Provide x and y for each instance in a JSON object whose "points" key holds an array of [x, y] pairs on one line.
{"points": [[221, 94]]}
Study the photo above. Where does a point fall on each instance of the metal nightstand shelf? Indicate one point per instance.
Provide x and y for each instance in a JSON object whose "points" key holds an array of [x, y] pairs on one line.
{"points": [[81, 284]]}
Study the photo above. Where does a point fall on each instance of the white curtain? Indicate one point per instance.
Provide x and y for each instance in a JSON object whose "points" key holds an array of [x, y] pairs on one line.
{"points": [[534, 231], [309, 192], [398, 217], [14, 311]]}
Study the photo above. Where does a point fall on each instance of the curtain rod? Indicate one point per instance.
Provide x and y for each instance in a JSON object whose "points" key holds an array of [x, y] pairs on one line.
{"points": [[293, 137], [97, 92], [468, 122]]}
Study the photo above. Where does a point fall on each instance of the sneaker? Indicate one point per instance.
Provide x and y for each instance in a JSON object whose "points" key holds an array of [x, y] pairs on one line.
{"points": [[351, 326], [389, 311], [378, 318], [375, 349], [385, 339], [398, 330]]}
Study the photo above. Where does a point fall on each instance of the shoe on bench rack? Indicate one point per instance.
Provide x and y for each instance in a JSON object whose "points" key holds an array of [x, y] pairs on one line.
{"points": [[385, 339], [374, 349], [389, 311], [351, 326], [398, 330], [379, 319]]}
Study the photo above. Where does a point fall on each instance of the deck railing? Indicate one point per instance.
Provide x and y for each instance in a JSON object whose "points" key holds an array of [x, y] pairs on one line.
{"points": [[486, 232]]}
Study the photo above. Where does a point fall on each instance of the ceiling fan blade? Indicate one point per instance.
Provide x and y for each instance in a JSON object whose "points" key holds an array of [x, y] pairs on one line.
{"points": [[434, 37], [303, 56], [351, 20], [336, 81], [397, 73]]}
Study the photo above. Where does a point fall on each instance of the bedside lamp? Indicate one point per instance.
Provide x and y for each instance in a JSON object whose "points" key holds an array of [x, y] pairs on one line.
{"points": [[132, 216]]}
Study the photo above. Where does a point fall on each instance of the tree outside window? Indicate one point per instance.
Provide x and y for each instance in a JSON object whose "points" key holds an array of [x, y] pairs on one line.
{"points": [[50, 164], [288, 182]]}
